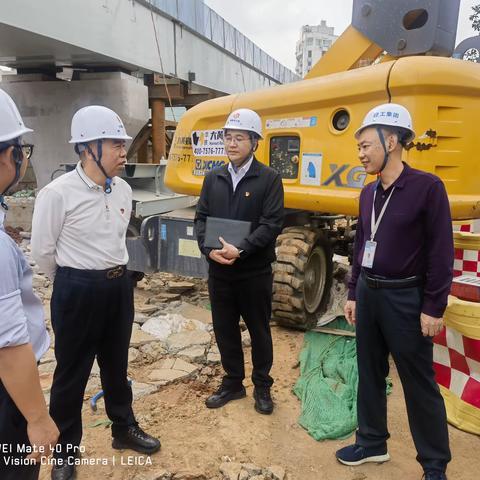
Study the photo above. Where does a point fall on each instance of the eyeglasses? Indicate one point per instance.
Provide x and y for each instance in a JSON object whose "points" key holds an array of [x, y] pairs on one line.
{"points": [[237, 140], [27, 149]]}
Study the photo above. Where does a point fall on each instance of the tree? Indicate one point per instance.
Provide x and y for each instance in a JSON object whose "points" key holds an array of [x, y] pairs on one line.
{"points": [[475, 18]]}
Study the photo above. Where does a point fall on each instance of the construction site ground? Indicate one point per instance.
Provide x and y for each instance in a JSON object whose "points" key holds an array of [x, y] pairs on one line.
{"points": [[196, 441]]}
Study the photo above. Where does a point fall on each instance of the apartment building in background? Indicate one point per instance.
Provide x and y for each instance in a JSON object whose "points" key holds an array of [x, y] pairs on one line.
{"points": [[314, 41]]}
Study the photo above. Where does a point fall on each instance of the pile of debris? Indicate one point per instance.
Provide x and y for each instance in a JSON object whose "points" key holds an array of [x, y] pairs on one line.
{"points": [[229, 470], [15, 233]]}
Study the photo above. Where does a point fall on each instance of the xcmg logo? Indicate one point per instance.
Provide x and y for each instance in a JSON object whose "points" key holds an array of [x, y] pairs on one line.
{"points": [[346, 177], [204, 166]]}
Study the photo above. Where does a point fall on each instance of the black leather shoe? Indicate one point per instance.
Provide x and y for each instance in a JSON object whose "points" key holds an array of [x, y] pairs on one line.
{"points": [[64, 471], [263, 401], [136, 439], [224, 395], [434, 475]]}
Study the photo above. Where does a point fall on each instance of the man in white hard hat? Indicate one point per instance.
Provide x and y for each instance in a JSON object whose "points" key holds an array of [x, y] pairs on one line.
{"points": [[24, 418], [401, 277], [78, 239], [240, 279]]}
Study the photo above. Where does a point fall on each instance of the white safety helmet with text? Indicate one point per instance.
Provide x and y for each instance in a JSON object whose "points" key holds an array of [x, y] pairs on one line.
{"points": [[389, 115], [244, 119]]}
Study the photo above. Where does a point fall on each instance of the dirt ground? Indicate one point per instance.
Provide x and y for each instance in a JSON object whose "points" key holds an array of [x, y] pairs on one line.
{"points": [[196, 439]]}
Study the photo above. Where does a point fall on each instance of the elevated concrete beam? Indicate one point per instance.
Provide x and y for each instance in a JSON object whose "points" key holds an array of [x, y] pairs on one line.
{"points": [[121, 34], [48, 108]]}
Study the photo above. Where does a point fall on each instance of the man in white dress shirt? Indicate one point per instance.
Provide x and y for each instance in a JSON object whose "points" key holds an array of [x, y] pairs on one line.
{"points": [[78, 239], [24, 418]]}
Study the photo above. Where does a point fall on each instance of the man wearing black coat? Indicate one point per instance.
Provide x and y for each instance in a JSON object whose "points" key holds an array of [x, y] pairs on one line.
{"points": [[240, 279]]}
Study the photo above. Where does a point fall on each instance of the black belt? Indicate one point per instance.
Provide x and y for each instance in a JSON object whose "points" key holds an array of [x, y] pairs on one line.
{"points": [[109, 273], [376, 281]]}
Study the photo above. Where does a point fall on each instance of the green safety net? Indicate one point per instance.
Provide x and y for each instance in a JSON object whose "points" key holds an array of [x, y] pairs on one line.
{"points": [[327, 387]]}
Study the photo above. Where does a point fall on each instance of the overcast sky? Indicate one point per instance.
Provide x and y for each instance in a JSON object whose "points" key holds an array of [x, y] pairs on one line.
{"points": [[274, 25]]}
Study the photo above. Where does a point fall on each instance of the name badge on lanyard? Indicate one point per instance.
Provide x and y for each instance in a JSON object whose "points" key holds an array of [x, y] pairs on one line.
{"points": [[371, 245], [369, 254]]}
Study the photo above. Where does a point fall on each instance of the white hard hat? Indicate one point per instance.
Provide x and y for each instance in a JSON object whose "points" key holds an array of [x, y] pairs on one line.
{"points": [[244, 119], [96, 122], [388, 115], [11, 123]]}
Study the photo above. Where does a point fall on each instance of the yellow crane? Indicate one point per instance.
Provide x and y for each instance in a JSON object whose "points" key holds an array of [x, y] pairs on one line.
{"points": [[393, 52]]}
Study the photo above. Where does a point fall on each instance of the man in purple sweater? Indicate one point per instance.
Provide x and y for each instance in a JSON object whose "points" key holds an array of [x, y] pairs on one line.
{"points": [[401, 276]]}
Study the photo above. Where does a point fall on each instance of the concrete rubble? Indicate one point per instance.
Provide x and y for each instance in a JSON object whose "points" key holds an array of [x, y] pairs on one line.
{"points": [[140, 337], [172, 340], [227, 471], [213, 356], [178, 342], [180, 287], [164, 326], [170, 370], [246, 471], [20, 210], [171, 336]]}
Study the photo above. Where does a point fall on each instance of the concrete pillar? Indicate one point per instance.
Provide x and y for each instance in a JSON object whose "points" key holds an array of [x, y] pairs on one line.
{"points": [[48, 106], [158, 130]]}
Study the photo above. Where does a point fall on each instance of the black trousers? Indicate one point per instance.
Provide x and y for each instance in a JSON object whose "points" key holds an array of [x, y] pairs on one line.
{"points": [[252, 299], [91, 316], [13, 438], [388, 321]]}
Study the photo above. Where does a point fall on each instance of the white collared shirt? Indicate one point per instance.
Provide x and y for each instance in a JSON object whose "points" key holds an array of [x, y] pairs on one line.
{"points": [[240, 173], [76, 224], [21, 311]]}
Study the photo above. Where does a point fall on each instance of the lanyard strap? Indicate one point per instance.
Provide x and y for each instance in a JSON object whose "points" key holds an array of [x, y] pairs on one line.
{"points": [[375, 223]]}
